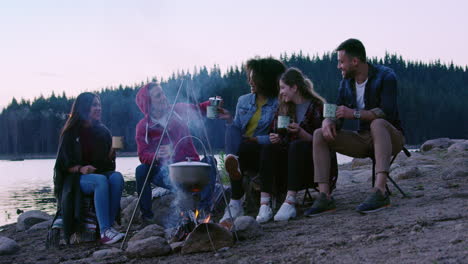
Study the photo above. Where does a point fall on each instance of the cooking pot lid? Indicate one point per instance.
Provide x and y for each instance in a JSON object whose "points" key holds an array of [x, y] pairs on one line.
{"points": [[190, 164]]}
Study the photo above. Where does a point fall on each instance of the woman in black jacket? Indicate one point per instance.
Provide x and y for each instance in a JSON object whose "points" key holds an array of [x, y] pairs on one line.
{"points": [[86, 165]]}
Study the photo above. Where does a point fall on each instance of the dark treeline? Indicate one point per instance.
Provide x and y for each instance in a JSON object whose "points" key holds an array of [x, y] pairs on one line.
{"points": [[432, 98]]}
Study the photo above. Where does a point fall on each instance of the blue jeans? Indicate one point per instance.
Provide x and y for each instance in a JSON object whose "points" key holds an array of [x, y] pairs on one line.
{"points": [[107, 189], [159, 176]]}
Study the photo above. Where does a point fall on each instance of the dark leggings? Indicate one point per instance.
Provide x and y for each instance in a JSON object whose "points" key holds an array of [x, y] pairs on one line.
{"points": [[249, 159], [277, 175]]}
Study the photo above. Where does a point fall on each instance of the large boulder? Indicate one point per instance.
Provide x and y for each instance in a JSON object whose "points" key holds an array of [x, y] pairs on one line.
{"points": [[41, 225], [460, 147], [126, 201], [247, 228], [8, 246], [149, 231], [107, 253], [166, 211], [30, 218], [206, 236], [439, 143], [148, 247], [126, 214]]}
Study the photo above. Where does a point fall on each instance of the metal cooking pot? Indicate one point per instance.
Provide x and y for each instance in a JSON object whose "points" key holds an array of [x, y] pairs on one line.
{"points": [[190, 175]]}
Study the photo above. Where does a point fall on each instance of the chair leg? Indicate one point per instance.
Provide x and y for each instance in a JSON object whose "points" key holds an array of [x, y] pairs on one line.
{"points": [[306, 195], [398, 187], [373, 173]]}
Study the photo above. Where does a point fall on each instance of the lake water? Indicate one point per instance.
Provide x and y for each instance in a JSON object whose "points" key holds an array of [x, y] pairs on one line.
{"points": [[28, 185]]}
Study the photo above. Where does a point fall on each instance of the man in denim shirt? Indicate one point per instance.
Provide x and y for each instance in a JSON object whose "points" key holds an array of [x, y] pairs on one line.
{"points": [[367, 97]]}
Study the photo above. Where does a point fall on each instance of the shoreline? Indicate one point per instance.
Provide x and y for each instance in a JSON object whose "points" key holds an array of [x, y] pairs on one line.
{"points": [[30, 156]]}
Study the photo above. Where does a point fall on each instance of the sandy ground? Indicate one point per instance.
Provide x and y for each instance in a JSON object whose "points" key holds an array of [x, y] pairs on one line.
{"points": [[429, 227]]}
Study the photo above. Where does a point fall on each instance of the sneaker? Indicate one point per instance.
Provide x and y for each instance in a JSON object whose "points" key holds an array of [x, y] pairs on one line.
{"points": [[58, 223], [231, 164], [236, 211], [264, 214], [286, 212], [110, 236], [374, 202], [321, 205]]}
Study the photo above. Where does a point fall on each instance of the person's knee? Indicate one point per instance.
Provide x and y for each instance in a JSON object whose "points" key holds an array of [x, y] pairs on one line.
{"points": [[100, 180], [318, 136], [116, 178], [378, 124]]}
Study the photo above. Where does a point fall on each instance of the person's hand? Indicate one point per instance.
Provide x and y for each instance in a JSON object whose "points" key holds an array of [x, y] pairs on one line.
{"points": [[275, 138], [329, 129], [224, 114], [294, 128], [344, 112], [164, 152], [250, 139], [88, 169]]}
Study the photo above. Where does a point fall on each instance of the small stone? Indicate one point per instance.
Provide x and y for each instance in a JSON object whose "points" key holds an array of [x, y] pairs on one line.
{"points": [[321, 252], [8, 246], [357, 237], [376, 237], [416, 228], [456, 240], [404, 173]]}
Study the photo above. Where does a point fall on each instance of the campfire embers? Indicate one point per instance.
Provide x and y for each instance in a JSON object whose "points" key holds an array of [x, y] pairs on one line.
{"points": [[189, 221]]}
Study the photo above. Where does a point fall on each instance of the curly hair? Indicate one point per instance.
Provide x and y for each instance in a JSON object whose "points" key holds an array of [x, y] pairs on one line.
{"points": [[265, 74]]}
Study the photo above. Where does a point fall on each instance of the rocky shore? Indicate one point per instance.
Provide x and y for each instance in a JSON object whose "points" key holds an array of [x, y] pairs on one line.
{"points": [[430, 226]]}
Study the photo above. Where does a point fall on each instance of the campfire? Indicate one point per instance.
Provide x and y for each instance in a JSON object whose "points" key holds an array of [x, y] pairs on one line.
{"points": [[189, 221]]}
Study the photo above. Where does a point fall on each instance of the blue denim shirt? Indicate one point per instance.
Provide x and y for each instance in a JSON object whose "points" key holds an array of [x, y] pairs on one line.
{"points": [[380, 95], [245, 110]]}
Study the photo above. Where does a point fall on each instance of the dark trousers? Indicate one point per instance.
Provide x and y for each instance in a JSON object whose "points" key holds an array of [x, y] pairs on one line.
{"points": [[287, 167], [249, 159]]}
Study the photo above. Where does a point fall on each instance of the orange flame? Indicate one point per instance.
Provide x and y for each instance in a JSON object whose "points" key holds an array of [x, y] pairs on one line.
{"points": [[196, 214], [207, 219]]}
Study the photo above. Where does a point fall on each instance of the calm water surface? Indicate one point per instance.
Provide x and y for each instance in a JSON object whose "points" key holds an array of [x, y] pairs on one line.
{"points": [[28, 185]]}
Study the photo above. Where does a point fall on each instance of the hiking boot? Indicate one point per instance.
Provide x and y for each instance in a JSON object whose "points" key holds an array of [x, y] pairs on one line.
{"points": [[321, 205], [286, 212], [111, 236], [236, 211], [264, 214], [374, 202], [231, 163]]}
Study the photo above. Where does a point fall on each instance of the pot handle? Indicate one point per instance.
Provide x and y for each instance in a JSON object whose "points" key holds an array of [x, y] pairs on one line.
{"points": [[180, 140]]}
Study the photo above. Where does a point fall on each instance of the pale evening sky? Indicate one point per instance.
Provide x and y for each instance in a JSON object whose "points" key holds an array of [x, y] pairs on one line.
{"points": [[76, 46]]}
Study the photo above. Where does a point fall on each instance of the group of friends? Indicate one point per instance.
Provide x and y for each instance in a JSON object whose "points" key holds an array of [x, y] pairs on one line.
{"points": [[303, 155]]}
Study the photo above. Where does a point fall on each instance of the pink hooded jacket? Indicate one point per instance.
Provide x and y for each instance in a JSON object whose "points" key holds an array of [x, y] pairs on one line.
{"points": [[148, 134]]}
